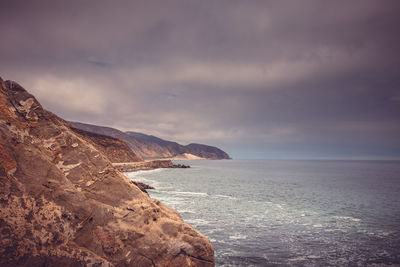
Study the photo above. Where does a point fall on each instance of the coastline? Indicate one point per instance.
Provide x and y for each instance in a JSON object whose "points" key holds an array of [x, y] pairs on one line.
{"points": [[289, 224], [63, 202], [147, 165]]}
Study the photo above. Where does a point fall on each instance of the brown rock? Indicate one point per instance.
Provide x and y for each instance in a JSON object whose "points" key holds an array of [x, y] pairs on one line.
{"points": [[116, 150], [143, 186], [63, 204]]}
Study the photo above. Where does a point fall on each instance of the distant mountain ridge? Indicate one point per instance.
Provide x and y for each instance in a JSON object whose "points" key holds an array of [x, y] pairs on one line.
{"points": [[151, 147]]}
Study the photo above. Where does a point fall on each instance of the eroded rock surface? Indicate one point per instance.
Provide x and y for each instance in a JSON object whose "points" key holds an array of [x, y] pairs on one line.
{"points": [[62, 203], [116, 150]]}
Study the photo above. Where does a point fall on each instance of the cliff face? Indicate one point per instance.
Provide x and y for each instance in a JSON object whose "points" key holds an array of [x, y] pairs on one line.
{"points": [[63, 203], [154, 147], [116, 150], [150, 147], [204, 151]]}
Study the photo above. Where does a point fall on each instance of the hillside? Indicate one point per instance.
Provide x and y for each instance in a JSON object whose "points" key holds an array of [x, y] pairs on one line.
{"points": [[150, 147], [62, 203], [116, 150]]}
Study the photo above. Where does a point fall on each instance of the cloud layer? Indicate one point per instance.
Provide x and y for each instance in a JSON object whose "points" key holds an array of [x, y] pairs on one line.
{"points": [[256, 78]]}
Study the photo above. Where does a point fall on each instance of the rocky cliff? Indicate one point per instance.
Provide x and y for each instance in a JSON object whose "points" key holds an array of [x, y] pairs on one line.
{"points": [[116, 150], [63, 203], [150, 147], [204, 151]]}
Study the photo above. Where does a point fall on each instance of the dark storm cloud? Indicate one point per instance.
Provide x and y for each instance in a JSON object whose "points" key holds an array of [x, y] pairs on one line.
{"points": [[257, 78]]}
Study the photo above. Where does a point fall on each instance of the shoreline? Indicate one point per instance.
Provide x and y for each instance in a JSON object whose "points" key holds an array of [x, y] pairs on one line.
{"points": [[147, 165]]}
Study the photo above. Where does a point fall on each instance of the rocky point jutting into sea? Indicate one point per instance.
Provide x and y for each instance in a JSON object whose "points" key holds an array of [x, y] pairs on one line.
{"points": [[62, 202]]}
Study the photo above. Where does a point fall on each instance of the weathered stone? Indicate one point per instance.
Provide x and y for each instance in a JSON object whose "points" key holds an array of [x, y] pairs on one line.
{"points": [[115, 149], [62, 203]]}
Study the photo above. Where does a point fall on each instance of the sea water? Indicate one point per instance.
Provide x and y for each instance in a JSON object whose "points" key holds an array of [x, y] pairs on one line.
{"points": [[288, 212]]}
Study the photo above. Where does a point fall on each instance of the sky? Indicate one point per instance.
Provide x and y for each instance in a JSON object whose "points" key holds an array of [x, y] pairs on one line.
{"points": [[259, 79]]}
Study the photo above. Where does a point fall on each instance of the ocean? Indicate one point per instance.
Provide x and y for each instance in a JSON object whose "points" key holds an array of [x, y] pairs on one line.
{"points": [[288, 212]]}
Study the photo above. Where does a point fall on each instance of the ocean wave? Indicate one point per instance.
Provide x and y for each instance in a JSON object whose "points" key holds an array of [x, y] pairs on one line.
{"points": [[162, 189], [171, 201], [187, 193], [224, 196], [299, 258], [187, 211], [197, 222], [143, 172], [348, 218], [237, 237], [377, 233]]}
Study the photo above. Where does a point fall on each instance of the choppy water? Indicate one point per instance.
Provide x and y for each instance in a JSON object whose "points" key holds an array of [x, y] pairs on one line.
{"points": [[288, 213]]}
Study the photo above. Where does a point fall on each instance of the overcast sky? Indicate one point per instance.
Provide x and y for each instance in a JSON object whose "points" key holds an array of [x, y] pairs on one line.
{"points": [[259, 79]]}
